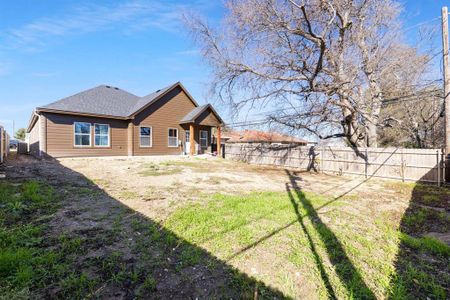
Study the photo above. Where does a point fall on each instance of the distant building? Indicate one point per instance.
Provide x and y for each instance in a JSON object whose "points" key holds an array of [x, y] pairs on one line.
{"points": [[255, 136]]}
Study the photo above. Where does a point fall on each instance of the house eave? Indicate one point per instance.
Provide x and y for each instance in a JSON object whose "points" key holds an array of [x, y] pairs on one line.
{"points": [[32, 122], [75, 113]]}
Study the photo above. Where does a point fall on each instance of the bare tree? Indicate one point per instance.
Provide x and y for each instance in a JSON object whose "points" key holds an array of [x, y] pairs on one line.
{"points": [[324, 63], [414, 120]]}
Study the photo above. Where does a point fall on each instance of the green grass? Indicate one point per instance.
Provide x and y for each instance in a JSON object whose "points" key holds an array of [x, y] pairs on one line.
{"points": [[347, 256], [23, 262], [198, 165], [336, 250], [152, 169], [129, 195], [428, 244]]}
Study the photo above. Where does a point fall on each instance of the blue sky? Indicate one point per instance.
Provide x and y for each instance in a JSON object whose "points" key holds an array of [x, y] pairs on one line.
{"points": [[52, 49]]}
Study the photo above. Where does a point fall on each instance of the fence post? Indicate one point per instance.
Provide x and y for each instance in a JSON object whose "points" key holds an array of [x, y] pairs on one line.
{"points": [[321, 158], [442, 166], [365, 163], [438, 168], [1, 145], [402, 164]]}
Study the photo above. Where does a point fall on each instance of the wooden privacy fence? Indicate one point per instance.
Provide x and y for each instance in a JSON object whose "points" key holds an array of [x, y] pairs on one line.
{"points": [[22, 148], [394, 163], [4, 144]]}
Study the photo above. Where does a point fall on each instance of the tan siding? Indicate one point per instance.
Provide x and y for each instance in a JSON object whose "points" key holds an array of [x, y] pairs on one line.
{"points": [[43, 134], [165, 113], [60, 136], [33, 139]]}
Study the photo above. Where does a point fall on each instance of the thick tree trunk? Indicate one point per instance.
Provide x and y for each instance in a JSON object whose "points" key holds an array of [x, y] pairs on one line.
{"points": [[372, 136]]}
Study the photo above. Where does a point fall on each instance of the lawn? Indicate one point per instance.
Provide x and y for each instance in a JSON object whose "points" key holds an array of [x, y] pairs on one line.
{"points": [[217, 229]]}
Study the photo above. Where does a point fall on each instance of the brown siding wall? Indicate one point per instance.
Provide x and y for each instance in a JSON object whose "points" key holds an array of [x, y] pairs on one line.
{"points": [[162, 115], [207, 118], [60, 136]]}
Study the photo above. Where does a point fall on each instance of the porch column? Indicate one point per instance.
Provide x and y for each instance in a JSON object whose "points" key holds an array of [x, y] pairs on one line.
{"points": [[191, 139], [219, 146]]}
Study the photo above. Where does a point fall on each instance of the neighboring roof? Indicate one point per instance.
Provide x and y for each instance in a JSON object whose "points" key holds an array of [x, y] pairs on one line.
{"points": [[255, 136], [196, 112], [107, 101]]}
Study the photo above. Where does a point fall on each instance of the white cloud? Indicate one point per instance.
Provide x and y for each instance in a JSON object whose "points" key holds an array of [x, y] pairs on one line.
{"points": [[129, 17]]}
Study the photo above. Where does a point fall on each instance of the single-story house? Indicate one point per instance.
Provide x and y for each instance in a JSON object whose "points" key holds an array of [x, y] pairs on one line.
{"points": [[106, 120], [256, 136]]}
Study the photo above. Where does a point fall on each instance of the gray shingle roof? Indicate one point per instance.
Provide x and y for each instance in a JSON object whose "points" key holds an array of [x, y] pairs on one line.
{"points": [[105, 100], [193, 114], [101, 100], [143, 101]]}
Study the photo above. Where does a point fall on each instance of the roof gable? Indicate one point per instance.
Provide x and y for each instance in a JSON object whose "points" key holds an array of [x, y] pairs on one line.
{"points": [[148, 100], [192, 116]]}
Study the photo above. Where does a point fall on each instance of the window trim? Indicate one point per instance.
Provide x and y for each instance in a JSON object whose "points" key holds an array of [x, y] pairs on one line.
{"points": [[168, 137], [75, 134], [109, 136], [200, 138], [151, 136]]}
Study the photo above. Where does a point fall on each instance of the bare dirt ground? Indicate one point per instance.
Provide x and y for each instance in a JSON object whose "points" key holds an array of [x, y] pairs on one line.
{"points": [[111, 202], [154, 192]]}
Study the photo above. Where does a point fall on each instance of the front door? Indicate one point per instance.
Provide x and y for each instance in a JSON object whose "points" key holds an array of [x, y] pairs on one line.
{"points": [[187, 143]]}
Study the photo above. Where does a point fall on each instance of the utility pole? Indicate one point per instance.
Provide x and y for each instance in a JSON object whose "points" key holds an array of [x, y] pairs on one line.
{"points": [[446, 91]]}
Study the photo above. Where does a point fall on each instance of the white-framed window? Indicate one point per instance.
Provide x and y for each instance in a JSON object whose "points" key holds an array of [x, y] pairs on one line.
{"points": [[173, 137], [204, 138], [82, 134], [101, 135], [145, 136]]}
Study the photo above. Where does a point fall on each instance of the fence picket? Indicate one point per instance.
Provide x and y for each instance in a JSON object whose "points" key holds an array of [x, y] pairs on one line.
{"points": [[394, 163]]}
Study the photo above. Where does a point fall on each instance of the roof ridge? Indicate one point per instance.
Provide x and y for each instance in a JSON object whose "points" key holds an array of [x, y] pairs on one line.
{"points": [[87, 90], [158, 90]]}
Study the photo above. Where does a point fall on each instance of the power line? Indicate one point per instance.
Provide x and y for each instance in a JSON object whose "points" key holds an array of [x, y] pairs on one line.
{"points": [[420, 24], [404, 98]]}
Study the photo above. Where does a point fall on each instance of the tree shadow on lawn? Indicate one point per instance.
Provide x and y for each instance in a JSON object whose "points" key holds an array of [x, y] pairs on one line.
{"points": [[115, 252], [346, 271], [422, 266]]}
